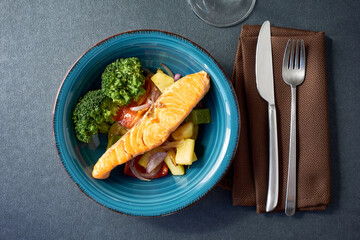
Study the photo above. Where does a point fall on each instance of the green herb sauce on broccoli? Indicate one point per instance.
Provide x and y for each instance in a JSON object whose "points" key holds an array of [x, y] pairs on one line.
{"points": [[123, 80], [93, 113]]}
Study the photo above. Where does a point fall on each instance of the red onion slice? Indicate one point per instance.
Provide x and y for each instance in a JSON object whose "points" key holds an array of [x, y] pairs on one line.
{"points": [[154, 94], [140, 107], [175, 144], [155, 161], [153, 173], [143, 176], [177, 77], [167, 70], [136, 172], [148, 100]]}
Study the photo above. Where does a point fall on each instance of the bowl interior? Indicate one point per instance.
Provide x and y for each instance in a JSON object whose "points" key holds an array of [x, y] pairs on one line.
{"points": [[215, 145]]}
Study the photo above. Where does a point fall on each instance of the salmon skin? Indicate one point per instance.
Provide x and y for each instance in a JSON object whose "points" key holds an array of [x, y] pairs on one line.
{"points": [[162, 118]]}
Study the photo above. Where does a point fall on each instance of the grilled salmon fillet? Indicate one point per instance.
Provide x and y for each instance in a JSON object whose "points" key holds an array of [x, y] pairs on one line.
{"points": [[162, 118]]}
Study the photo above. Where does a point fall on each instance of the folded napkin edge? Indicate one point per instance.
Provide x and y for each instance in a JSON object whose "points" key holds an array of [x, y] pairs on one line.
{"points": [[253, 31]]}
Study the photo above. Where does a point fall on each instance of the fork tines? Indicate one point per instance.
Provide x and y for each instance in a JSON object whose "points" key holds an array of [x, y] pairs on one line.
{"points": [[290, 61]]}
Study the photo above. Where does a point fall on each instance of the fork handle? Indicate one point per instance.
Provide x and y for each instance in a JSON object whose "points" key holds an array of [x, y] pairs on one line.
{"points": [[290, 203]]}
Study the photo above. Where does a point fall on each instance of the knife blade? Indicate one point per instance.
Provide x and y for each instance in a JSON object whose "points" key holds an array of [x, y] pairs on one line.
{"points": [[265, 87]]}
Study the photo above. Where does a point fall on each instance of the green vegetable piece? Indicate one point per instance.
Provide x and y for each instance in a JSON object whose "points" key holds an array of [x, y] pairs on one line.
{"points": [[200, 116], [92, 114], [113, 139], [123, 80], [117, 129]]}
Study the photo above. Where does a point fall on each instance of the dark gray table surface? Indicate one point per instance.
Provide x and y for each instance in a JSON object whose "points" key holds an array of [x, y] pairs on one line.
{"points": [[40, 40]]}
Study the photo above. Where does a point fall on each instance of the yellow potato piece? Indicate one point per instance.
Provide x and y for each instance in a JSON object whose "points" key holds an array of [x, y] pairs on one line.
{"points": [[184, 131], [185, 153], [175, 170], [162, 80]]}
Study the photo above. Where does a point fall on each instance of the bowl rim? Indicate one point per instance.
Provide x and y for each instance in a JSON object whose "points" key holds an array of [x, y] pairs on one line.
{"points": [[177, 36]]}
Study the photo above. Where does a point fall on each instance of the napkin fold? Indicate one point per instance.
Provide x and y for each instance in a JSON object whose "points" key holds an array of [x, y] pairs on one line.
{"points": [[248, 176]]}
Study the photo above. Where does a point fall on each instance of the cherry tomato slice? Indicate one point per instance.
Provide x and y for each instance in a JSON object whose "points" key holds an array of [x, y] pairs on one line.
{"points": [[125, 116]]}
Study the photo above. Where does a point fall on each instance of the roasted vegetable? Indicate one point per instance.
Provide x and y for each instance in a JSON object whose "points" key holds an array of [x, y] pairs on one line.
{"points": [[184, 131], [185, 153], [93, 113], [200, 116], [145, 158], [162, 80], [176, 169]]}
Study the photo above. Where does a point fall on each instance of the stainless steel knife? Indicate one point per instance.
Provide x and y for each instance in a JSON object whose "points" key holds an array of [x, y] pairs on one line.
{"points": [[265, 87]]}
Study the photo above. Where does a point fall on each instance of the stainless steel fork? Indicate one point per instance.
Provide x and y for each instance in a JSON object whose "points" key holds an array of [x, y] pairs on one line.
{"points": [[293, 73]]}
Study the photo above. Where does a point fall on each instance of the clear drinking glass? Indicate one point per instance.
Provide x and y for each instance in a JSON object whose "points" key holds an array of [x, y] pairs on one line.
{"points": [[222, 13]]}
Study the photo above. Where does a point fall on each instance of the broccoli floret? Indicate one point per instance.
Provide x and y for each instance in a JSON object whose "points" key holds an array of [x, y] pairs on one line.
{"points": [[93, 113], [123, 80]]}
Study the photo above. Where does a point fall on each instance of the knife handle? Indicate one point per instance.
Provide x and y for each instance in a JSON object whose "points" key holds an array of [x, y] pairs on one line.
{"points": [[273, 187]]}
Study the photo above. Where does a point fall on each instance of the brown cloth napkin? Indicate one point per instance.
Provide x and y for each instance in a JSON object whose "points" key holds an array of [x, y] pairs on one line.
{"points": [[249, 173]]}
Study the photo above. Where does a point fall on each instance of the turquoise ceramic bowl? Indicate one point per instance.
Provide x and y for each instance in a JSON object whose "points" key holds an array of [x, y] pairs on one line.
{"points": [[215, 145]]}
